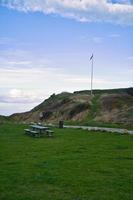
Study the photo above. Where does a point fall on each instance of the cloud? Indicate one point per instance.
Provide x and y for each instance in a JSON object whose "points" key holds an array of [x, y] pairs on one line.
{"points": [[15, 58], [94, 39], [130, 58], [5, 41], [115, 11], [20, 96], [114, 35], [97, 40]]}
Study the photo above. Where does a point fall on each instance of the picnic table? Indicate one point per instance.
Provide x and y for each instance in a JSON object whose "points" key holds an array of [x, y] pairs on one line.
{"points": [[39, 130]]}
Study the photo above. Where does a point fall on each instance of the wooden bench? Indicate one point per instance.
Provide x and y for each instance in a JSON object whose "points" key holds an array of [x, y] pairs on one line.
{"points": [[49, 133], [31, 132], [27, 130]]}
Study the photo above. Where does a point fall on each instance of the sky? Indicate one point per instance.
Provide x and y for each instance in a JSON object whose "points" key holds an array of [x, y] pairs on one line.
{"points": [[46, 45]]}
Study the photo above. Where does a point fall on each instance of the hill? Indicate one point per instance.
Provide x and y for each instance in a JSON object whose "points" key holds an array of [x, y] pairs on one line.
{"points": [[3, 119], [106, 106]]}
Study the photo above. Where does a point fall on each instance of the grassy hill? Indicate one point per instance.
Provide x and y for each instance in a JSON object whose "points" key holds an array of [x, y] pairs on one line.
{"points": [[3, 119], [113, 106]]}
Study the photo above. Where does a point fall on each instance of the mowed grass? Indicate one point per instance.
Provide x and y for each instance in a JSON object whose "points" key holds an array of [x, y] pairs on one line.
{"points": [[73, 165]]}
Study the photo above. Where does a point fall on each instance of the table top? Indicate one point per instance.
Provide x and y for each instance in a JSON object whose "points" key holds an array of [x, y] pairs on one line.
{"points": [[39, 127]]}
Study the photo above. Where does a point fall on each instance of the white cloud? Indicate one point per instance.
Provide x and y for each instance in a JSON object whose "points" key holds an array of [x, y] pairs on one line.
{"points": [[5, 40], [17, 58], [119, 12], [97, 40], [21, 96], [130, 58], [15, 93], [114, 35]]}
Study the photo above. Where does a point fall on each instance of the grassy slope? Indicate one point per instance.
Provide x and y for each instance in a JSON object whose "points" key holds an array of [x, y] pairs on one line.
{"points": [[94, 111], [74, 165], [95, 108], [3, 119]]}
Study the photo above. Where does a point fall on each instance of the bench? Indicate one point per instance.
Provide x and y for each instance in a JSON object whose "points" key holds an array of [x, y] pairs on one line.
{"points": [[49, 133], [31, 132], [27, 130]]}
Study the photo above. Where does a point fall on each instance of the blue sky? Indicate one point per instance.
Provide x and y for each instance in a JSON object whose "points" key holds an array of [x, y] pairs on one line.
{"points": [[45, 48]]}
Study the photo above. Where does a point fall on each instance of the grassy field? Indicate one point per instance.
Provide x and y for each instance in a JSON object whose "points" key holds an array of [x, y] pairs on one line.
{"points": [[73, 165]]}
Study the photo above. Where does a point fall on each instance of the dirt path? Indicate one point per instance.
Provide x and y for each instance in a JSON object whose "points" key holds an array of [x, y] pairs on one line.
{"points": [[111, 130]]}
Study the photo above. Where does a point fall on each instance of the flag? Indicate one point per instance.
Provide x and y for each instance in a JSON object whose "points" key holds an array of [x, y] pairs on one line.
{"points": [[91, 57]]}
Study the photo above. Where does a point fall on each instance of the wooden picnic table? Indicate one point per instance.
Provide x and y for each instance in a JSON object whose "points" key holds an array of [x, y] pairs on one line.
{"points": [[39, 129]]}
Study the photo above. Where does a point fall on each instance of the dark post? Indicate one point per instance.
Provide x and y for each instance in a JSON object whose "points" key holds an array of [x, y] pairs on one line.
{"points": [[61, 123]]}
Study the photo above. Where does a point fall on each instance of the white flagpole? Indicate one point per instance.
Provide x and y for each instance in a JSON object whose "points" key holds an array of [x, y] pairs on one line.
{"points": [[92, 64]]}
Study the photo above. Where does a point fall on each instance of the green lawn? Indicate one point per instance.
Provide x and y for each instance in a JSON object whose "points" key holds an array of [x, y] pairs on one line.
{"points": [[73, 165]]}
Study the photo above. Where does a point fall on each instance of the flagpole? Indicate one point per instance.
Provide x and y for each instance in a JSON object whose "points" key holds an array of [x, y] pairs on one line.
{"points": [[92, 64]]}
